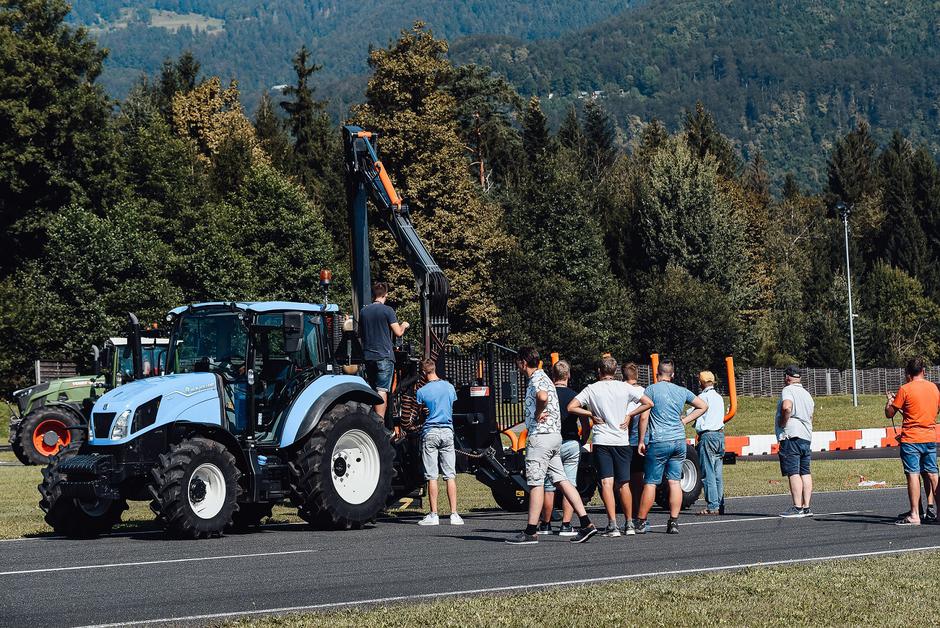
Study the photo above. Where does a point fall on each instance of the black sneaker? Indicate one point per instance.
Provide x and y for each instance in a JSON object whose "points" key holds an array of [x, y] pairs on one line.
{"points": [[672, 527], [523, 539], [584, 534], [931, 515], [544, 528], [642, 526], [808, 513], [566, 530]]}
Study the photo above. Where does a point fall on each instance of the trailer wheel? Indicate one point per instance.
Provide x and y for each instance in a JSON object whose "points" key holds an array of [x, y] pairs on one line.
{"points": [[196, 488], [691, 482], [343, 473], [71, 517], [250, 516], [45, 431], [17, 446]]}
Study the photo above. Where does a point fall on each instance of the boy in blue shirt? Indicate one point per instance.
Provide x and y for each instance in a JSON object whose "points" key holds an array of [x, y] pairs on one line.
{"points": [[437, 441]]}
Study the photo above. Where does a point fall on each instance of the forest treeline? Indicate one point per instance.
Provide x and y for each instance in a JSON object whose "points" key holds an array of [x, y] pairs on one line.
{"points": [[566, 240]]}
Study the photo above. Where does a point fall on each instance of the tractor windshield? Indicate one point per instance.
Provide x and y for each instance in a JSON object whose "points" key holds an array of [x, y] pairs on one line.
{"points": [[213, 341]]}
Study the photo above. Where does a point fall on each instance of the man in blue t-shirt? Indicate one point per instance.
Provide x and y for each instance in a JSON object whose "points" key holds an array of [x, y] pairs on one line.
{"points": [[665, 450], [377, 323], [437, 441]]}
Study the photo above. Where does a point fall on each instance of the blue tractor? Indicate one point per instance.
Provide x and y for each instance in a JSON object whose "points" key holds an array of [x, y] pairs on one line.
{"points": [[250, 413]]}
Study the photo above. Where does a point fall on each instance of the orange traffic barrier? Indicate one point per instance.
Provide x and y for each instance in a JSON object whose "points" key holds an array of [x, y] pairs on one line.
{"points": [[654, 366], [555, 358]]}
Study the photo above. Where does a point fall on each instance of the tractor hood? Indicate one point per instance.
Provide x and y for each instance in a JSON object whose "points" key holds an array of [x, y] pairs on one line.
{"points": [[137, 407]]}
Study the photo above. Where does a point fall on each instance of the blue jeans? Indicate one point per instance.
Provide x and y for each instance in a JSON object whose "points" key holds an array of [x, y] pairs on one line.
{"points": [[664, 457], [570, 456], [919, 457], [711, 452]]}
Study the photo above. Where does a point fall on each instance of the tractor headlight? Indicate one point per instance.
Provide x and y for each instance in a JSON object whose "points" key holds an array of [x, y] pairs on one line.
{"points": [[119, 429]]}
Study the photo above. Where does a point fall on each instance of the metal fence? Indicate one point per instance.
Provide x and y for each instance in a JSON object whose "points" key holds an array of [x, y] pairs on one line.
{"points": [[768, 382]]}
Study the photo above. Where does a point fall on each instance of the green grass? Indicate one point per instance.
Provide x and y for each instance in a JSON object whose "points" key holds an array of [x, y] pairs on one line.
{"points": [[885, 591], [20, 514], [755, 415], [4, 423]]}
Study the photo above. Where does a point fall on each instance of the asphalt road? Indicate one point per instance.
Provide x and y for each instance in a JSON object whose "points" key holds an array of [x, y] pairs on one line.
{"points": [[145, 577]]}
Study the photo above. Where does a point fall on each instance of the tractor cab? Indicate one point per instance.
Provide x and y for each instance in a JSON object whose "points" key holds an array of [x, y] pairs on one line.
{"points": [[262, 355]]}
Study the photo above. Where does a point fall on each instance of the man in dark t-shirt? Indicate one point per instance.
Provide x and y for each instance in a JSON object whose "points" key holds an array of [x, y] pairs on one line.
{"points": [[377, 323], [571, 444]]}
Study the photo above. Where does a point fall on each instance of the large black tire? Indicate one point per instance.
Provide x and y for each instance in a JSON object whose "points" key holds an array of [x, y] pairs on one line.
{"points": [[17, 446], [691, 482], [75, 518], [196, 489], [45, 431], [336, 487], [250, 516]]}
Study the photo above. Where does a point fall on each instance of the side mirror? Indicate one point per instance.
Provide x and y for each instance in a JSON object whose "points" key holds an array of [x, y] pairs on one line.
{"points": [[293, 331], [96, 360]]}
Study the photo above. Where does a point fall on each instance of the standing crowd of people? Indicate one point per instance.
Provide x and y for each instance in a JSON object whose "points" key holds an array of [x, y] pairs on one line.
{"points": [[638, 437]]}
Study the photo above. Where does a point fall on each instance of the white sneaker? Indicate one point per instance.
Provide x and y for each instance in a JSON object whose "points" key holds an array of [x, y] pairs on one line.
{"points": [[455, 519], [430, 519]]}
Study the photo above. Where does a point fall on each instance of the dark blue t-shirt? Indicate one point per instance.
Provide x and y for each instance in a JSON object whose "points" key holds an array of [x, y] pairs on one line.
{"points": [[439, 397], [374, 330]]}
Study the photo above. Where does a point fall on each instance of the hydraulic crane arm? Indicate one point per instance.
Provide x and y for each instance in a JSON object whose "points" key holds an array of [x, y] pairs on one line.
{"points": [[366, 178]]}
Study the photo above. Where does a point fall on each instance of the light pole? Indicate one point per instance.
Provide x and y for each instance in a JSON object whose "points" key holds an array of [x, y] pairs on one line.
{"points": [[845, 210]]}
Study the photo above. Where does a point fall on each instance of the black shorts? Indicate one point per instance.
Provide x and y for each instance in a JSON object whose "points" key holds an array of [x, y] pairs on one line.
{"points": [[613, 461], [637, 462]]}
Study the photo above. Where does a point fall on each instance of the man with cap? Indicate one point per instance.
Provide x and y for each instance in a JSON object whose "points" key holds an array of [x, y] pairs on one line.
{"points": [[794, 429], [710, 428]]}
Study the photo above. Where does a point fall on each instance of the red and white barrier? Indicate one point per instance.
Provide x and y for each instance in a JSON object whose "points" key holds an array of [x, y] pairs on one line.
{"points": [[839, 440]]}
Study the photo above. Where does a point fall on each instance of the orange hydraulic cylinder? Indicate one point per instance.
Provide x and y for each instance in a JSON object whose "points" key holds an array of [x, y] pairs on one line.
{"points": [[654, 366], [732, 389], [393, 197]]}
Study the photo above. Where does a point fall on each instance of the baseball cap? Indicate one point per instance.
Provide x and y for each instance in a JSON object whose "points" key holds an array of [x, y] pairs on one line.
{"points": [[792, 371]]}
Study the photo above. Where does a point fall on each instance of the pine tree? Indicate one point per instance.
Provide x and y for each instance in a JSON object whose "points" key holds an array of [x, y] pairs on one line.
{"points": [[408, 104], [270, 131], [175, 77], [570, 134], [756, 178], [653, 136], [926, 196], [904, 244], [851, 167], [536, 140], [599, 149], [315, 140], [704, 138]]}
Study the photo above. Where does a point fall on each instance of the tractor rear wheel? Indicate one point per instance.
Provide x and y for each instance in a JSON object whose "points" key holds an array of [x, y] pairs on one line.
{"points": [[45, 431], [343, 473], [196, 488], [16, 445], [71, 517], [691, 481]]}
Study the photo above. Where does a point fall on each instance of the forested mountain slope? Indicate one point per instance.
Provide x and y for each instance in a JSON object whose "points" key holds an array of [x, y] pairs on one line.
{"points": [[254, 40], [781, 76]]}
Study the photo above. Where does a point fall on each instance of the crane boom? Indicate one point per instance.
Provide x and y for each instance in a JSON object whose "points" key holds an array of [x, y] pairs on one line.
{"points": [[367, 179]]}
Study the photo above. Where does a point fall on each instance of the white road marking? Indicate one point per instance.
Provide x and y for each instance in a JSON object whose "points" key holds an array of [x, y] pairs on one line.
{"points": [[152, 562], [761, 518], [516, 587]]}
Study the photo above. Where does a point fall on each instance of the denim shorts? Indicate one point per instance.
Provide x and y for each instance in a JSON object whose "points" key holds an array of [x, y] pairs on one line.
{"points": [[613, 462], [664, 456], [794, 455], [919, 457], [379, 374], [437, 447], [570, 456]]}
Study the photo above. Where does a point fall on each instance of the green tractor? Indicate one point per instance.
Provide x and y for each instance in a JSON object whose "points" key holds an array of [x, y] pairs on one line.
{"points": [[48, 416]]}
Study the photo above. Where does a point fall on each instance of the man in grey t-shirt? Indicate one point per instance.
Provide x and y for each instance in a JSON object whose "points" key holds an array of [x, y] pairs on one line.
{"points": [[793, 426]]}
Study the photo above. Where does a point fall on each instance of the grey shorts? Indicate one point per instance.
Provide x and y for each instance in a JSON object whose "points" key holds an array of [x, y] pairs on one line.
{"points": [[543, 459], [570, 456], [437, 444]]}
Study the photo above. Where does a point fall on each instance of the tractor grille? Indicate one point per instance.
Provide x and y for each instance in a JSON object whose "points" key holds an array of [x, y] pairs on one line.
{"points": [[102, 422]]}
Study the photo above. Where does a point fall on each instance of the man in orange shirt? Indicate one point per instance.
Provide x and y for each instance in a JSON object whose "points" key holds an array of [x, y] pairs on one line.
{"points": [[918, 401]]}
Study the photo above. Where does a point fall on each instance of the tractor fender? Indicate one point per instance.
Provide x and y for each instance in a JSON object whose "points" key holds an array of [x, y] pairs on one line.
{"points": [[318, 397]]}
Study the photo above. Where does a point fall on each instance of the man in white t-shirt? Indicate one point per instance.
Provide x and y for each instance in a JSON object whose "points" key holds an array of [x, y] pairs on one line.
{"points": [[606, 401]]}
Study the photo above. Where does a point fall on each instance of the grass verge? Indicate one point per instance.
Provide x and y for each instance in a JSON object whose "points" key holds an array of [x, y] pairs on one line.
{"points": [[893, 590], [20, 514]]}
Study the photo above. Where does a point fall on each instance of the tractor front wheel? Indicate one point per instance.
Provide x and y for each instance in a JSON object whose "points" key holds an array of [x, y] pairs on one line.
{"points": [[196, 488], [72, 517], [343, 473], [45, 431]]}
